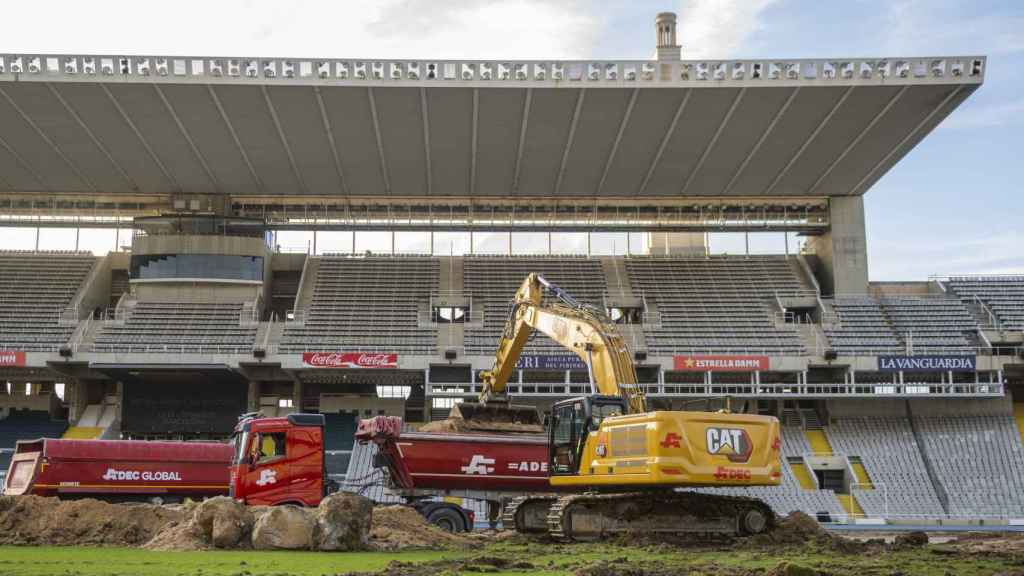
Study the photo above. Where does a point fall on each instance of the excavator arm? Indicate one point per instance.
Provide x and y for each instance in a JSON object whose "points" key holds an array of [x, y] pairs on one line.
{"points": [[579, 328]]}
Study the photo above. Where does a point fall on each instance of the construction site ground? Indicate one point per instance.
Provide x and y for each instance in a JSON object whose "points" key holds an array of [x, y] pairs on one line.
{"points": [[531, 557], [45, 536]]}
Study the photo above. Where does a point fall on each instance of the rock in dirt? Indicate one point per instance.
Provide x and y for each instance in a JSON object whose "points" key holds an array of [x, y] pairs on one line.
{"points": [[49, 521], [223, 522], [284, 528], [914, 539], [178, 537], [397, 527], [343, 522]]}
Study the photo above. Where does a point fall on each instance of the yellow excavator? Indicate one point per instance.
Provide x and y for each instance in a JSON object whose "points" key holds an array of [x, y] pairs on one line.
{"points": [[615, 466]]}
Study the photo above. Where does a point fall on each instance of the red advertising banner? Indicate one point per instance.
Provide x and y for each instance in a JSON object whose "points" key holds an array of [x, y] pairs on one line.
{"points": [[9, 358], [350, 360], [720, 363]]}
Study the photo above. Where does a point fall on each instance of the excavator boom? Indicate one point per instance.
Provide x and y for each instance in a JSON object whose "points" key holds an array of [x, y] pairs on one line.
{"points": [[579, 328]]}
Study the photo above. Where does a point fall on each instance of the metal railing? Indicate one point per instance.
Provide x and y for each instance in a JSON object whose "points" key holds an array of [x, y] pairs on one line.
{"points": [[843, 71]]}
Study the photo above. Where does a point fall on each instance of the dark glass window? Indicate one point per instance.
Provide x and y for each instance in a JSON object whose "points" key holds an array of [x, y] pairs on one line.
{"points": [[214, 266]]}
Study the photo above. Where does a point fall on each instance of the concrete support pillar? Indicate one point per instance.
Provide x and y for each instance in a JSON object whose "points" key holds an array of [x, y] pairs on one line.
{"points": [[253, 400], [297, 395], [841, 253]]}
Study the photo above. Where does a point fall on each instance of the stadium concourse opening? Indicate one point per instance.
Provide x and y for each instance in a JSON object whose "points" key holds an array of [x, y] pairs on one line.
{"points": [[207, 236]]}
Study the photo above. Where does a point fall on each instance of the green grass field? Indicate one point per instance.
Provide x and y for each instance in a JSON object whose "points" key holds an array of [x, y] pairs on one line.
{"points": [[496, 558]]}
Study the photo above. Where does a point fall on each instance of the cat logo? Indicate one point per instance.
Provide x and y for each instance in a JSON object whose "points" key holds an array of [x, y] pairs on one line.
{"points": [[733, 443], [267, 476]]}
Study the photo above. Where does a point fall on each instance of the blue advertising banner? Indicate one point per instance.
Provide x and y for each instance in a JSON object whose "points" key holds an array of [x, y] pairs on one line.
{"points": [[927, 363], [550, 362]]}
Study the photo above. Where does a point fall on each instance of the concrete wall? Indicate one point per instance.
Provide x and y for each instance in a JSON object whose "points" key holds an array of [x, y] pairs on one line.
{"points": [[842, 252], [185, 244], [333, 403], [881, 289], [678, 243], [206, 291], [95, 292]]}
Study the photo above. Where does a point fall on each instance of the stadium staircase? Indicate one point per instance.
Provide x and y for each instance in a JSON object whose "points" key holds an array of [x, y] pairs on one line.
{"points": [[799, 469], [83, 432], [819, 442], [1018, 417]]}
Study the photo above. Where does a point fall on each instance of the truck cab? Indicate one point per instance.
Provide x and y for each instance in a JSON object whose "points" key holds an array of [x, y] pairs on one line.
{"points": [[279, 460]]}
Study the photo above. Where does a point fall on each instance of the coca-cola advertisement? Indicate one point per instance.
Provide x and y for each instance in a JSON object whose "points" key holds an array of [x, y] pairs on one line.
{"points": [[350, 359]]}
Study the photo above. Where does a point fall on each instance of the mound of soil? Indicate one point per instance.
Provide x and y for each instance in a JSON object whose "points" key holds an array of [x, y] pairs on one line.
{"points": [[398, 527], [49, 521], [480, 425]]}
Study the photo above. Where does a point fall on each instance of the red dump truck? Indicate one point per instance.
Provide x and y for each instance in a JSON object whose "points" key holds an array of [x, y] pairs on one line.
{"points": [[119, 470], [280, 461]]}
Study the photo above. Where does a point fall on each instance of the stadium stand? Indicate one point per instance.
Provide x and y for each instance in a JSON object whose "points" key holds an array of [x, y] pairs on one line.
{"points": [[891, 455], [932, 324], [35, 289], [716, 304], [1002, 295], [858, 327], [178, 327], [492, 280], [29, 425], [975, 448], [366, 303]]}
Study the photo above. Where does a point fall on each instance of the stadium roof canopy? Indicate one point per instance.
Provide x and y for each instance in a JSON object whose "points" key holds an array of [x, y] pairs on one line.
{"points": [[305, 131]]}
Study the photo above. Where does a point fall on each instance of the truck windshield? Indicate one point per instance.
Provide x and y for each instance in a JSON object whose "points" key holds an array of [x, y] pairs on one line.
{"points": [[241, 440]]}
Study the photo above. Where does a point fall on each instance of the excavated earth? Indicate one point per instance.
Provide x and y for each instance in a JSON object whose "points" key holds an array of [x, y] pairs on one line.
{"points": [[342, 522]]}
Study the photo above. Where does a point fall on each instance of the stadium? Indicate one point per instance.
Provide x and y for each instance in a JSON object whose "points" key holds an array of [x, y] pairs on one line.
{"points": [[898, 400]]}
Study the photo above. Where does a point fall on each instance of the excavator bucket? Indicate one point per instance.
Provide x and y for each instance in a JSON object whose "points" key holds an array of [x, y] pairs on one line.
{"points": [[497, 417]]}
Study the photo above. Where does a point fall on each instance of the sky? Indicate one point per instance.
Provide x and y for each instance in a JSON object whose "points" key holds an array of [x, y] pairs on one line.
{"points": [[953, 205]]}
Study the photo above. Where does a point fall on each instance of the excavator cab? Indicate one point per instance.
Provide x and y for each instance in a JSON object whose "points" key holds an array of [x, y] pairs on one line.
{"points": [[572, 421]]}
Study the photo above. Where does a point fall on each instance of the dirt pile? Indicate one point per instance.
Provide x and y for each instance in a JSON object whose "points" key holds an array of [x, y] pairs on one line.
{"points": [[49, 521], [987, 543], [398, 527], [480, 426]]}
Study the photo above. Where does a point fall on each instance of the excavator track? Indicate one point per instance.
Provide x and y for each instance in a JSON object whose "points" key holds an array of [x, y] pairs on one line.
{"points": [[588, 517], [527, 514]]}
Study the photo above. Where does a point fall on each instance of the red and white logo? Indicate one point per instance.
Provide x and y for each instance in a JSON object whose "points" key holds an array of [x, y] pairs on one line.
{"points": [[11, 358], [479, 465], [350, 360]]}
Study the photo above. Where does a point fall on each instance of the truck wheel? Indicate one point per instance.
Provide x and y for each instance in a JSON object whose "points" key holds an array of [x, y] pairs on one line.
{"points": [[446, 519]]}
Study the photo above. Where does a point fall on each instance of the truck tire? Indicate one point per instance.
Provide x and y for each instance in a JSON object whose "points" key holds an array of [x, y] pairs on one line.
{"points": [[447, 519]]}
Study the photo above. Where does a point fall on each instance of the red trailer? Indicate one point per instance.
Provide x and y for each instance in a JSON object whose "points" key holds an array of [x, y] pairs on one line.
{"points": [[509, 463], [119, 469]]}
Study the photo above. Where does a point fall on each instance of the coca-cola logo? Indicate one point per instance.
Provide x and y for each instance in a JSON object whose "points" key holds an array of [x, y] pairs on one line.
{"points": [[350, 360]]}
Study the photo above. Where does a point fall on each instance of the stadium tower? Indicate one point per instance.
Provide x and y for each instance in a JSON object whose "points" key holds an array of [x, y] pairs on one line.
{"points": [[203, 312]]}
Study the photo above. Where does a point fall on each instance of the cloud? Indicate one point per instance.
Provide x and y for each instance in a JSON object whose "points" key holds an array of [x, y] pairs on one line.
{"points": [[718, 28], [986, 116], [929, 27], [997, 253], [311, 28]]}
